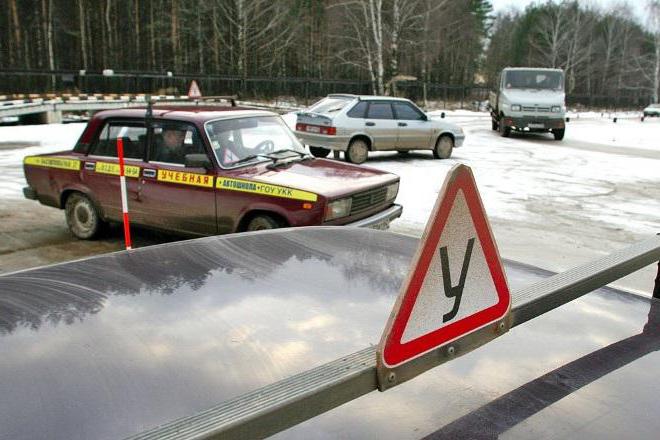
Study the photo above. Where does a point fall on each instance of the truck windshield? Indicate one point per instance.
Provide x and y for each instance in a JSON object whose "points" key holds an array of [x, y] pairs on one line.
{"points": [[250, 139], [534, 79]]}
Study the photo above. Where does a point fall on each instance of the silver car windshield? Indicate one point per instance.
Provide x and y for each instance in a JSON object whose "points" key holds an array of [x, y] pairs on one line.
{"points": [[329, 105], [534, 79], [250, 139]]}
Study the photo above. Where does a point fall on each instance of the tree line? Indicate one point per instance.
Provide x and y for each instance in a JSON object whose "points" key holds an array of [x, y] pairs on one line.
{"points": [[385, 42]]}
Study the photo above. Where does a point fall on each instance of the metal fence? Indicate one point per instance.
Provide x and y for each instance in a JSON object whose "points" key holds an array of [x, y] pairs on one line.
{"points": [[301, 89]]}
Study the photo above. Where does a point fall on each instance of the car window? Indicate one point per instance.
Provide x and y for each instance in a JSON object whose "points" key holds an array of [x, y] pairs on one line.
{"points": [[358, 110], [407, 112], [133, 135], [172, 141], [330, 105], [245, 139], [380, 110]]}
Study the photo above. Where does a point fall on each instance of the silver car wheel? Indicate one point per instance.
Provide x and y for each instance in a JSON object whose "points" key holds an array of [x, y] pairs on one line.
{"points": [[357, 151], [444, 148]]}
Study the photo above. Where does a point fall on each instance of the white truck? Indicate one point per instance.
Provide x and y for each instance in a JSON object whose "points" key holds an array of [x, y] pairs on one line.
{"points": [[529, 99]]}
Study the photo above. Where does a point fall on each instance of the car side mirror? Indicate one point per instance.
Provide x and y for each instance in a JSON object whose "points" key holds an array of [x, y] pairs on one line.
{"points": [[197, 161], [425, 117], [442, 115]]}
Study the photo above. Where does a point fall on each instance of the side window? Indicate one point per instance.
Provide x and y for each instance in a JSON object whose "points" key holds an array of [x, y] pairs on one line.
{"points": [[358, 110], [172, 141], [407, 112], [380, 110], [133, 135]]}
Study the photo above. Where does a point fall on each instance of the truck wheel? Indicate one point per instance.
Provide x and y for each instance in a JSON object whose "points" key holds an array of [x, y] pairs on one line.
{"points": [[319, 151], [357, 151], [559, 133], [443, 147], [504, 130], [82, 217], [263, 222], [493, 124]]}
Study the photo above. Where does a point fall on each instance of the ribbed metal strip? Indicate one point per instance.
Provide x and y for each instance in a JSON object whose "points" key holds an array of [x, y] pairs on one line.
{"points": [[283, 404], [564, 287]]}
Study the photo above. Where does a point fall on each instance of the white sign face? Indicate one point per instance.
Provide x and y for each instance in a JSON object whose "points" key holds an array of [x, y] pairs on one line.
{"points": [[456, 285], [193, 91], [459, 268]]}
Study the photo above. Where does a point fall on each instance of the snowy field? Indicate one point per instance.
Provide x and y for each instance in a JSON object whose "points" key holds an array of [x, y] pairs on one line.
{"points": [[551, 204]]}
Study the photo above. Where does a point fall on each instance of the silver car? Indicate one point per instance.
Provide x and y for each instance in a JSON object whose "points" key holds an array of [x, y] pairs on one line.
{"points": [[359, 124]]}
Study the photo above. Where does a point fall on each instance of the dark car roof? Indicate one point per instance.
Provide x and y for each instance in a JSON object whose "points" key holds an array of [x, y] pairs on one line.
{"points": [[113, 345], [195, 114]]}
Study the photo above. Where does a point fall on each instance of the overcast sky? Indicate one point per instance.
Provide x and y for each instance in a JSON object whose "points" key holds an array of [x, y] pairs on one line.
{"points": [[638, 6]]}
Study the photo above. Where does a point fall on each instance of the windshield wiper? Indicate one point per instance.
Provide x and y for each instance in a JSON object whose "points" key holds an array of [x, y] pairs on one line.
{"points": [[290, 150], [252, 157]]}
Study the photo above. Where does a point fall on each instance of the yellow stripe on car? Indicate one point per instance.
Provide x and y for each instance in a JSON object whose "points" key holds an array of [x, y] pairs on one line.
{"points": [[113, 168], [264, 189], [53, 162], [185, 178]]}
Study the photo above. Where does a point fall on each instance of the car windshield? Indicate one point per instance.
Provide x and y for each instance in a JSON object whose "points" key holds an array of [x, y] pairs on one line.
{"points": [[534, 79], [244, 140], [329, 105]]}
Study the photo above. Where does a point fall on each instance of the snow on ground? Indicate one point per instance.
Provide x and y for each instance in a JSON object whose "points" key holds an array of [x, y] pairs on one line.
{"points": [[41, 139], [552, 204]]}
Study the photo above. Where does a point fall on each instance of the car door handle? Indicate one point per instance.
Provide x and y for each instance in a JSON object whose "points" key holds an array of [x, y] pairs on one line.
{"points": [[149, 173], [402, 124], [90, 166], [370, 124]]}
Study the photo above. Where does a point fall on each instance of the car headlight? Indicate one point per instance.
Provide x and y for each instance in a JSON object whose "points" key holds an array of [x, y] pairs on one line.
{"points": [[338, 208], [515, 108], [392, 191], [556, 109]]}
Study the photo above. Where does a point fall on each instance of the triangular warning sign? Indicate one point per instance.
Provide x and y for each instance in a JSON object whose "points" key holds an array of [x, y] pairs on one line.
{"points": [[456, 284], [193, 90]]}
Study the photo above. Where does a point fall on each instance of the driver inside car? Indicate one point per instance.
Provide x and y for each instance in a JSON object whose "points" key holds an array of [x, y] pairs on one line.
{"points": [[230, 151]]}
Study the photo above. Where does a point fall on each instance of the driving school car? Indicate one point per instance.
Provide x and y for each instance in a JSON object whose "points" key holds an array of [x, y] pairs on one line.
{"points": [[277, 333], [205, 170]]}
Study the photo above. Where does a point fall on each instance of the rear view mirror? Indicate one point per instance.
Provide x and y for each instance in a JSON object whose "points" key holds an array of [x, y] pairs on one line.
{"points": [[197, 161]]}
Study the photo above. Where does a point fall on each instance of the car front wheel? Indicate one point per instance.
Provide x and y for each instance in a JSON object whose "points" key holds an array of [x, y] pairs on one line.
{"points": [[357, 151], [443, 147], [82, 217], [558, 134], [263, 222]]}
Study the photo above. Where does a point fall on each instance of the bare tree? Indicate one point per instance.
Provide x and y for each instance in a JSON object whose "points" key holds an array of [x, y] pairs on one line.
{"points": [[654, 26]]}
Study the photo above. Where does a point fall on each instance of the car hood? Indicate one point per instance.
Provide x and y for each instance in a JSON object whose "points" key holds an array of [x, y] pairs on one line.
{"points": [[325, 177], [534, 96]]}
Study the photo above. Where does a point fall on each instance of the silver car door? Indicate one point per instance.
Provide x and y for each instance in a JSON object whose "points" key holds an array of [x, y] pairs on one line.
{"points": [[381, 125], [415, 131]]}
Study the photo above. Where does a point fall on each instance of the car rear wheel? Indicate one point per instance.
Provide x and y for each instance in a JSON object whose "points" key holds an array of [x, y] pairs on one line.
{"points": [[443, 147], [558, 134], [263, 222], [82, 216], [357, 151], [319, 151]]}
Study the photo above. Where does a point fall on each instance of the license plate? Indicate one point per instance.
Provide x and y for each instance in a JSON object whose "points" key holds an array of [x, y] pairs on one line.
{"points": [[535, 125], [381, 225], [313, 129]]}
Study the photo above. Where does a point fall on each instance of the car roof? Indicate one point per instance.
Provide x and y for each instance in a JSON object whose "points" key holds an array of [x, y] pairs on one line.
{"points": [[112, 345], [368, 97], [198, 114], [547, 69]]}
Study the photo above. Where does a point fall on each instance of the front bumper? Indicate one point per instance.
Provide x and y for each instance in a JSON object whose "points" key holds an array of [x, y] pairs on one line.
{"points": [[533, 123], [320, 140], [380, 220], [458, 140]]}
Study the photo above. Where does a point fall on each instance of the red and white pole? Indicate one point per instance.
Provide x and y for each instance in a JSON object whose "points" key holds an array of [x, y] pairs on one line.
{"points": [[124, 198]]}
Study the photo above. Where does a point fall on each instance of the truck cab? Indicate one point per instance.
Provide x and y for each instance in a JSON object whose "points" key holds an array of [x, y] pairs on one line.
{"points": [[527, 99]]}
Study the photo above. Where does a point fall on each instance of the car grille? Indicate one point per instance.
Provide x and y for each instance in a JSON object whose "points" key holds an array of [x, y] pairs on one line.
{"points": [[368, 199], [536, 109]]}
